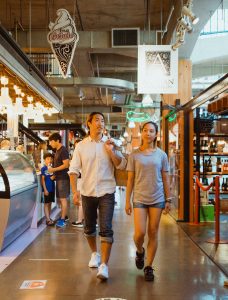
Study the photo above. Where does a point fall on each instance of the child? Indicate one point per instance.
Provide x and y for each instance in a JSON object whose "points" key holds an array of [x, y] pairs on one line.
{"points": [[48, 184], [79, 222]]}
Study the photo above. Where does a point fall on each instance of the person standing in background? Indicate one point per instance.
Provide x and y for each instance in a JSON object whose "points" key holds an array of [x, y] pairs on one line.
{"points": [[148, 176], [60, 170], [80, 220], [95, 157], [38, 154], [5, 144], [48, 185]]}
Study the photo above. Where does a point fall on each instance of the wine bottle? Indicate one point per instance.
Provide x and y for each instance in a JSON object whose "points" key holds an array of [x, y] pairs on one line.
{"points": [[223, 185]]}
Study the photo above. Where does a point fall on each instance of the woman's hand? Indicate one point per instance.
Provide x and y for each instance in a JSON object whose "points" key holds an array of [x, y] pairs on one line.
{"points": [[167, 208], [128, 208]]}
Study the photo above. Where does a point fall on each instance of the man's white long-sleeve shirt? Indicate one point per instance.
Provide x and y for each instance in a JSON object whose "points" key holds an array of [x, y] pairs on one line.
{"points": [[96, 167]]}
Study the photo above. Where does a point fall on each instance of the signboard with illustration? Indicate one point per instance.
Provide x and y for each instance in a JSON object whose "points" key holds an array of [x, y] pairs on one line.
{"points": [[63, 38], [33, 284], [157, 70]]}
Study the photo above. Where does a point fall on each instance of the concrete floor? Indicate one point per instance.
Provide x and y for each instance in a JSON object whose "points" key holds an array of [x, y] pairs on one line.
{"points": [[182, 270]]}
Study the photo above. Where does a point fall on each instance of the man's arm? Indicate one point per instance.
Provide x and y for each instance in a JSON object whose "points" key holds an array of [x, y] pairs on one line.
{"points": [[64, 166], [117, 158]]}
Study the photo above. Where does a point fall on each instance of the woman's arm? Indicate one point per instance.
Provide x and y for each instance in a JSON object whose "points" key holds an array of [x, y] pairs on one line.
{"points": [[165, 179], [130, 183]]}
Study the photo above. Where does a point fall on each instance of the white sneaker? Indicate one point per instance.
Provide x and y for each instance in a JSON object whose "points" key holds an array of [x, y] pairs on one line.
{"points": [[102, 272], [95, 260]]}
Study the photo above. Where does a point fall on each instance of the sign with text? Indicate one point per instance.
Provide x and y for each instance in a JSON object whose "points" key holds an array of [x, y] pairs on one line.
{"points": [[63, 38], [33, 284], [157, 70]]}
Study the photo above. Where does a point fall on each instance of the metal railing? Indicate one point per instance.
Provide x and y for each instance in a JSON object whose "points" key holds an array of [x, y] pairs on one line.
{"points": [[47, 64]]}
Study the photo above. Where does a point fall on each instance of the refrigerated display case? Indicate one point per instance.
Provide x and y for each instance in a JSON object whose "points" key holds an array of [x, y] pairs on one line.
{"points": [[18, 192]]}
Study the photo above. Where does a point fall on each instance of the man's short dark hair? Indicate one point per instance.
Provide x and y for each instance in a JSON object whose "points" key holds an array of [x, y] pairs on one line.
{"points": [[55, 137], [47, 154], [90, 117]]}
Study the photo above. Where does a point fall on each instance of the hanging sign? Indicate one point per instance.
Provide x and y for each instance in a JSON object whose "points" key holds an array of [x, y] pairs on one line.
{"points": [[157, 70], [63, 38]]}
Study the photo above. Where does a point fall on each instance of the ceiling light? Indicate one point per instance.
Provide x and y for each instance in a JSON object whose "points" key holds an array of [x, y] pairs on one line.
{"points": [[147, 100], [5, 99], [4, 80], [131, 124], [185, 24], [19, 106], [176, 45], [186, 11], [125, 134]]}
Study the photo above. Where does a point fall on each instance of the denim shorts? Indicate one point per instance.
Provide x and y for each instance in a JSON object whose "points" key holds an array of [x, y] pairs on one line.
{"points": [[142, 205], [105, 204], [62, 188]]}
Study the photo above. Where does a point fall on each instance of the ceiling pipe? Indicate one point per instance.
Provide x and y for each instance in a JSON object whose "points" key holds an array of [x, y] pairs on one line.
{"points": [[163, 32]]}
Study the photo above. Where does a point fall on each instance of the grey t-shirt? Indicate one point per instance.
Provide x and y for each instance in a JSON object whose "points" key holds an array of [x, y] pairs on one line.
{"points": [[148, 167]]}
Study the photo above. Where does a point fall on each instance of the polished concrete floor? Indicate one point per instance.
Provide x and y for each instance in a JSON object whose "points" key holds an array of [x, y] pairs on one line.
{"points": [[182, 270], [203, 235]]}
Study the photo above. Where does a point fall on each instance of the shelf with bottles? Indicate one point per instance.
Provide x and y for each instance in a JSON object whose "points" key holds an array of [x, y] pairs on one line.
{"points": [[213, 135], [220, 192], [212, 154], [207, 145], [213, 173], [214, 165], [223, 184]]}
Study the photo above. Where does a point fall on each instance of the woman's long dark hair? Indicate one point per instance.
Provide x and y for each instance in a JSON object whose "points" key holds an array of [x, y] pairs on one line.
{"points": [[156, 129]]}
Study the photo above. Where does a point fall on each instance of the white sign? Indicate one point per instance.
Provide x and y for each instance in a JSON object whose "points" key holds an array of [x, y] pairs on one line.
{"points": [[63, 38], [157, 70], [33, 284]]}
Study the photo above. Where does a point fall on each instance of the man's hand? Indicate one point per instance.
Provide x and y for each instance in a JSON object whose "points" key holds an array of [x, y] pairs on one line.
{"points": [[76, 198], [109, 145], [128, 208], [50, 170]]}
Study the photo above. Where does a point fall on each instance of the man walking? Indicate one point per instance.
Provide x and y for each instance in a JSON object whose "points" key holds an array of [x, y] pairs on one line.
{"points": [[60, 170], [96, 157]]}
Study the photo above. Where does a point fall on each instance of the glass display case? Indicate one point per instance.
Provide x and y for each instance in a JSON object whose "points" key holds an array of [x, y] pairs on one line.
{"points": [[18, 192]]}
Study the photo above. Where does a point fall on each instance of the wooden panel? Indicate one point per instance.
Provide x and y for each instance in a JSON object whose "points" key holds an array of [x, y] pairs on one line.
{"points": [[184, 94], [184, 83]]}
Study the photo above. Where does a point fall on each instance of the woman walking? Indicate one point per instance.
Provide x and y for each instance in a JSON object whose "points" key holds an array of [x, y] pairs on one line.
{"points": [[148, 178]]}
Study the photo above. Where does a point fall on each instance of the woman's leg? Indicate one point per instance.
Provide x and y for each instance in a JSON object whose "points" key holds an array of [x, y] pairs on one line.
{"points": [[153, 225], [140, 218]]}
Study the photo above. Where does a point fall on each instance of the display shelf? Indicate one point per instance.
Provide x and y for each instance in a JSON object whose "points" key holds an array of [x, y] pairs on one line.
{"points": [[214, 134], [222, 193], [212, 154], [212, 173]]}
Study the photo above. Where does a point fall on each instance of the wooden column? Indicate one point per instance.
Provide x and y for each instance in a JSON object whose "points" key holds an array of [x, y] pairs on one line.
{"points": [[184, 94], [135, 135]]}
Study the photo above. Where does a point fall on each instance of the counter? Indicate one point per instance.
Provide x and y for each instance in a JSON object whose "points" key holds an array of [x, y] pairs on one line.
{"points": [[18, 193]]}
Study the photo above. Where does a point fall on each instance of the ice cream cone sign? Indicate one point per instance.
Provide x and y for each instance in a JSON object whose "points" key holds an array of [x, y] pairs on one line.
{"points": [[63, 38]]}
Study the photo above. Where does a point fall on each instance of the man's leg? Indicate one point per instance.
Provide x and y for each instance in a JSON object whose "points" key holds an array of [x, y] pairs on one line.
{"points": [[89, 205], [106, 209]]}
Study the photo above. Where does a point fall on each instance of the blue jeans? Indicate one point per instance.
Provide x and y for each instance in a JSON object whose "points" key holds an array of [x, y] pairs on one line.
{"points": [[105, 204]]}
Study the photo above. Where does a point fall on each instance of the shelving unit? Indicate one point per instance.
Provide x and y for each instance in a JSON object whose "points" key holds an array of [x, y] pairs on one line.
{"points": [[205, 159]]}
